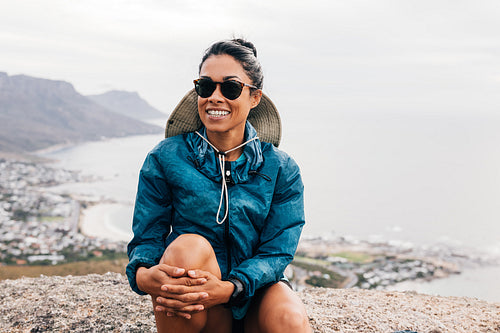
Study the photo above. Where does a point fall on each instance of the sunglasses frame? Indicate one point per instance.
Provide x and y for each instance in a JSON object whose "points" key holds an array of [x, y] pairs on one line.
{"points": [[242, 84]]}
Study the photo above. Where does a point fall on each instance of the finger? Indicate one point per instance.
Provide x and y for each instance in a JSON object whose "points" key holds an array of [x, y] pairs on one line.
{"points": [[189, 298], [181, 289], [192, 309], [174, 306], [171, 304], [184, 282], [160, 308], [184, 314], [198, 273], [177, 314], [171, 270]]}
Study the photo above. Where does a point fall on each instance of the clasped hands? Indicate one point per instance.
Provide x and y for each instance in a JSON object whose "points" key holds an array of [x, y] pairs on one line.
{"points": [[182, 293]]}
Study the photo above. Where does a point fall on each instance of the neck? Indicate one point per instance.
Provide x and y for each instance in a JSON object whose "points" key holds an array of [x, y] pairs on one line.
{"points": [[227, 140]]}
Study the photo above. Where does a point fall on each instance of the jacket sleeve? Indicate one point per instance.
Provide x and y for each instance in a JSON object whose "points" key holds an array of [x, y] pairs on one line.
{"points": [[280, 236], [151, 222]]}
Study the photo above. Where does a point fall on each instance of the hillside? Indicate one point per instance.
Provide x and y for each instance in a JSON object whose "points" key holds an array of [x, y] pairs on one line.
{"points": [[37, 113], [105, 303], [126, 103]]}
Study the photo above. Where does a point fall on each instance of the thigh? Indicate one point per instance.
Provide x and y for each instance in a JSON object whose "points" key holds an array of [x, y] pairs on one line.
{"points": [[277, 309]]}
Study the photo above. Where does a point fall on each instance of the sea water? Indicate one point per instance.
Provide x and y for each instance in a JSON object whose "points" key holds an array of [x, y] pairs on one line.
{"points": [[423, 179]]}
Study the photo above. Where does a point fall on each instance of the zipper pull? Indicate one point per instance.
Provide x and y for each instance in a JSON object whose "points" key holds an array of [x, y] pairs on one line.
{"points": [[229, 179]]}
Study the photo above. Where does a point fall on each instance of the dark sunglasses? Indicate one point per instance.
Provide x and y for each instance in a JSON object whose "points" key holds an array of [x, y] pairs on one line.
{"points": [[230, 89]]}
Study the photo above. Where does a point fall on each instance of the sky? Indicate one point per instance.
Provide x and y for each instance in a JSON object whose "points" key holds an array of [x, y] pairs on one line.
{"points": [[433, 56], [391, 108]]}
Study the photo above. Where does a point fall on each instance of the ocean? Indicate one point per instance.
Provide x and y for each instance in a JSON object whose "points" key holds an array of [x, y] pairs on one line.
{"points": [[422, 179]]}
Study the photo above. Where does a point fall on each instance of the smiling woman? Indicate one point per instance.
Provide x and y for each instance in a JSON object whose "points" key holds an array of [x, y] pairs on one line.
{"points": [[219, 212], [225, 118]]}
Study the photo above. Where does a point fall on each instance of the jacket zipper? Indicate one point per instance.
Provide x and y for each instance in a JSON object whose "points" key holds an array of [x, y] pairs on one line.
{"points": [[227, 240], [227, 225]]}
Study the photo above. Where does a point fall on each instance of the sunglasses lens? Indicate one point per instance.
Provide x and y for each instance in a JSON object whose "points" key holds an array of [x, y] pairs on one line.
{"points": [[204, 88], [231, 89]]}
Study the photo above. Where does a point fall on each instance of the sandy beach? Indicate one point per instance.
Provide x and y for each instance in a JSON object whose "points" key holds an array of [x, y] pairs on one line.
{"points": [[95, 221]]}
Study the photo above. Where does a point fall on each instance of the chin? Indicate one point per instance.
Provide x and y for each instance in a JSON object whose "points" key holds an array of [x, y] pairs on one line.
{"points": [[217, 129]]}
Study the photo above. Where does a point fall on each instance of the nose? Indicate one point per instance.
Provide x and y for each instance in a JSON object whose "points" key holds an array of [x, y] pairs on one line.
{"points": [[216, 95]]}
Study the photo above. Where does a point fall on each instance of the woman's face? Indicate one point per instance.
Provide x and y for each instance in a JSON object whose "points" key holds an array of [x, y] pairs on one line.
{"points": [[219, 114]]}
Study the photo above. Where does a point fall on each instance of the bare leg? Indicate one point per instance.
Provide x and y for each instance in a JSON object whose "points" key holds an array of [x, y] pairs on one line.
{"points": [[277, 309], [192, 251]]}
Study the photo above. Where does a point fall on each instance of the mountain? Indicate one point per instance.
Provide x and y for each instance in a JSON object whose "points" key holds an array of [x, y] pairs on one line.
{"points": [[129, 104], [36, 113]]}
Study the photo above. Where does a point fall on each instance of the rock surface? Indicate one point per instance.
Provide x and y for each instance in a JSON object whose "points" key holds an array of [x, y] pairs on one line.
{"points": [[105, 303]]}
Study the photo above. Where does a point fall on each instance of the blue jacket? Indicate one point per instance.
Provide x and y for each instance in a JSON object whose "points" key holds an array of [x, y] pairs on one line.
{"points": [[179, 191]]}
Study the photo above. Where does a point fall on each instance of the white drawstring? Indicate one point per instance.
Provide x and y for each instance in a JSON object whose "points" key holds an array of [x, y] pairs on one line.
{"points": [[222, 165]]}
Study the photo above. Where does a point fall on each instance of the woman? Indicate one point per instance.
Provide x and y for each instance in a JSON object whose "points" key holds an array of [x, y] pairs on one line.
{"points": [[219, 211]]}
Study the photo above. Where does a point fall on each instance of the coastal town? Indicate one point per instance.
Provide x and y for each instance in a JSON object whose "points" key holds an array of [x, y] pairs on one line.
{"points": [[41, 227], [341, 262], [38, 226]]}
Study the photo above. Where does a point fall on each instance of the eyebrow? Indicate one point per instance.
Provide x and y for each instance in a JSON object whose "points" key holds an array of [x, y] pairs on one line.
{"points": [[225, 78]]}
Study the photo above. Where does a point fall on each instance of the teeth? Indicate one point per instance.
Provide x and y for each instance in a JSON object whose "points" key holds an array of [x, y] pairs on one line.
{"points": [[217, 113]]}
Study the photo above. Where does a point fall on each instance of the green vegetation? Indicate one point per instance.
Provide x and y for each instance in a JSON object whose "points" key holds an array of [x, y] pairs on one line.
{"points": [[319, 281], [70, 254], [97, 266], [335, 280], [51, 219], [311, 261], [354, 257]]}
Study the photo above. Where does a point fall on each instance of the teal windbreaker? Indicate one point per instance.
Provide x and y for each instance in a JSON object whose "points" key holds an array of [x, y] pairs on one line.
{"points": [[179, 192]]}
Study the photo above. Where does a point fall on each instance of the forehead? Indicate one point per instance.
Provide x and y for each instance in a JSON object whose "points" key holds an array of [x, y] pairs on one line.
{"points": [[218, 67]]}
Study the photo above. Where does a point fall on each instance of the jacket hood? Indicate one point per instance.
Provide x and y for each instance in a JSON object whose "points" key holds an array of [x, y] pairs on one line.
{"points": [[206, 161]]}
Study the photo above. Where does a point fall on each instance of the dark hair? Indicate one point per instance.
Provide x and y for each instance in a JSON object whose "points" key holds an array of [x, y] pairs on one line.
{"points": [[244, 52]]}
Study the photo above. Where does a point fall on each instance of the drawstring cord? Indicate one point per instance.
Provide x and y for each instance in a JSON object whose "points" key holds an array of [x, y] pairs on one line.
{"points": [[222, 165]]}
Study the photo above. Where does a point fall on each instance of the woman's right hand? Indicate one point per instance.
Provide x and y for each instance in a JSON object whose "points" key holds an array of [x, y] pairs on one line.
{"points": [[150, 280]]}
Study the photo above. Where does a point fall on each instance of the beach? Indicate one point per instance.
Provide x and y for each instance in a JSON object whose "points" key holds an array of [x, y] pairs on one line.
{"points": [[96, 221]]}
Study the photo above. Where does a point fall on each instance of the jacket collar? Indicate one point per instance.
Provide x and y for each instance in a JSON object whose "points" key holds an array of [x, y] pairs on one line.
{"points": [[208, 164]]}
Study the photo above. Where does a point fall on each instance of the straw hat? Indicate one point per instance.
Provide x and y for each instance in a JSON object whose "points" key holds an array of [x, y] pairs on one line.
{"points": [[264, 118]]}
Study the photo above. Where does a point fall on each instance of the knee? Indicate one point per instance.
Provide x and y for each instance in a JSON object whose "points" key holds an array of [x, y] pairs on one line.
{"points": [[289, 318], [187, 251]]}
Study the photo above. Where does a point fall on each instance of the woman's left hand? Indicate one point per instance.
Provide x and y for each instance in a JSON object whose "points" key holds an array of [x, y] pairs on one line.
{"points": [[179, 299]]}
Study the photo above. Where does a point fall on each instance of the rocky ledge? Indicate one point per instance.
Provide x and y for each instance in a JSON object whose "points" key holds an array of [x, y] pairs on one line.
{"points": [[105, 303]]}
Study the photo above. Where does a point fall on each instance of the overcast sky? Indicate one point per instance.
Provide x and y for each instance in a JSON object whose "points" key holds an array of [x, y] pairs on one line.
{"points": [[435, 56]]}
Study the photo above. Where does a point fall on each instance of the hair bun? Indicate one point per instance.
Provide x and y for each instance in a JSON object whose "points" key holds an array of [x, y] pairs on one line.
{"points": [[246, 44]]}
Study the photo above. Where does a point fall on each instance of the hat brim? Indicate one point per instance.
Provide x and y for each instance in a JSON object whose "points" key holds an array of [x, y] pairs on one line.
{"points": [[264, 118]]}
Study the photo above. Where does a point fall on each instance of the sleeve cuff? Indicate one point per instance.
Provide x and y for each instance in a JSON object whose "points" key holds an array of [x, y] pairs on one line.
{"points": [[132, 270], [238, 295]]}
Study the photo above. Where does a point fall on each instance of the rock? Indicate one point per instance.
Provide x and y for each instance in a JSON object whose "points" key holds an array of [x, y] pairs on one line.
{"points": [[97, 303]]}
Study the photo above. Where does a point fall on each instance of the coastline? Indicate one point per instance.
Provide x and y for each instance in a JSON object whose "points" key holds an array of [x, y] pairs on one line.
{"points": [[96, 221]]}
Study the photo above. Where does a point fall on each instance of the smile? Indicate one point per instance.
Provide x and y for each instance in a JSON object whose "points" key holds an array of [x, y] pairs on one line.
{"points": [[217, 113]]}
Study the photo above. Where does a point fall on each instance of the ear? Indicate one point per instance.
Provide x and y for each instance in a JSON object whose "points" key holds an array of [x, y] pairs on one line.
{"points": [[255, 98]]}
